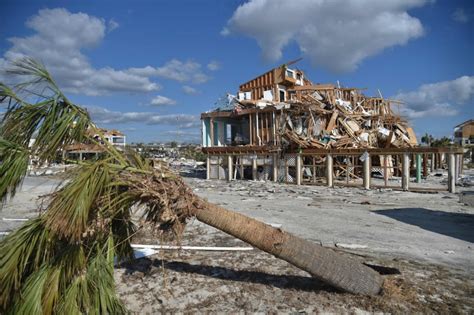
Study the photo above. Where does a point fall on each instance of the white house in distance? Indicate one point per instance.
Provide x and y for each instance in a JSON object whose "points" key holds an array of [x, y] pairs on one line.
{"points": [[115, 137]]}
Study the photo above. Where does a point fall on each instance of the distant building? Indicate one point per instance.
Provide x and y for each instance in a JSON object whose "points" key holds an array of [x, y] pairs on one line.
{"points": [[89, 150], [115, 137], [464, 133]]}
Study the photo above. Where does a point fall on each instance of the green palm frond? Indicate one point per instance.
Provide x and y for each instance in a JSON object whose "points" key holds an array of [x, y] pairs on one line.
{"points": [[35, 74], [74, 207], [23, 252], [53, 123], [13, 167]]}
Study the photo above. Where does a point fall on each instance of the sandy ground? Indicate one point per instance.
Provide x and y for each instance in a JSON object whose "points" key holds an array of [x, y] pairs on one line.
{"points": [[424, 243]]}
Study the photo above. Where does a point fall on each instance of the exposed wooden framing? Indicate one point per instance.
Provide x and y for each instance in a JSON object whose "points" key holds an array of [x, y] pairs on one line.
{"points": [[250, 130], [320, 151], [267, 126]]}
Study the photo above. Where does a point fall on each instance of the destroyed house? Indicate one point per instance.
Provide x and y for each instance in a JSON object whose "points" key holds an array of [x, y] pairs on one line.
{"points": [[90, 149], [283, 108], [281, 126]]}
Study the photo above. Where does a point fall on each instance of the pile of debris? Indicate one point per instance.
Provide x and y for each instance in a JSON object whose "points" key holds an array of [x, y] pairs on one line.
{"points": [[329, 116], [282, 107]]}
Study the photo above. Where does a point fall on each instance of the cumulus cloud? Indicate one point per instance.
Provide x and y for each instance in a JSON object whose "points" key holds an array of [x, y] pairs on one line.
{"points": [[190, 90], [104, 116], [438, 99], [188, 71], [58, 41], [214, 65], [459, 15], [336, 34], [162, 100]]}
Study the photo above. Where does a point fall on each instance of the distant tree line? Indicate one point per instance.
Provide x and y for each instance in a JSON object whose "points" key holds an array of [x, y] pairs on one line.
{"points": [[434, 142]]}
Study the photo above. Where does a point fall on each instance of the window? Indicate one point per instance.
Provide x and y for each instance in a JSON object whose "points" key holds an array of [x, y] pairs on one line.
{"points": [[118, 140], [282, 95], [290, 73]]}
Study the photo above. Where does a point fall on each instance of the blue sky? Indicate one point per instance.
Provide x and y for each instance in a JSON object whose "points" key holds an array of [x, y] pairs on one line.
{"points": [[150, 67]]}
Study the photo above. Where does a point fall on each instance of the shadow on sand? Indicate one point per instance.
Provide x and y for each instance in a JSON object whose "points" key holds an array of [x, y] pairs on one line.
{"points": [[457, 225], [280, 281]]}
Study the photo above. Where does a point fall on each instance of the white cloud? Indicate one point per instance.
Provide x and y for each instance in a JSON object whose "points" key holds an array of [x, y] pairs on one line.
{"points": [[336, 34], [438, 99], [459, 15], [102, 115], [175, 69], [57, 42], [160, 100], [190, 90], [112, 25], [214, 65]]}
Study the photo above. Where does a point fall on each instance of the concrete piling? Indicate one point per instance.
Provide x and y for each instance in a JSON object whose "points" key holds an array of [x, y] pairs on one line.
{"points": [[366, 171], [405, 171], [329, 170]]}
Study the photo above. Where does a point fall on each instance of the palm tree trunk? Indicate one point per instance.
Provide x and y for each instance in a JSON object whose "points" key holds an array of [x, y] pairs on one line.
{"points": [[340, 271]]}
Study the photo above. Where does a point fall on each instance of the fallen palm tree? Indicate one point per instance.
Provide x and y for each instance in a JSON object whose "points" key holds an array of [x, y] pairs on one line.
{"points": [[62, 261]]}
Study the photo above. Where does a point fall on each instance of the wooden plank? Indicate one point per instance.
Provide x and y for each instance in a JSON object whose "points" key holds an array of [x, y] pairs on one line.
{"points": [[332, 121], [412, 136], [313, 87]]}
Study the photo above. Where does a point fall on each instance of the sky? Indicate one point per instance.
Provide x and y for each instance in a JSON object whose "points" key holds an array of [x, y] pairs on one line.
{"points": [[149, 68]]}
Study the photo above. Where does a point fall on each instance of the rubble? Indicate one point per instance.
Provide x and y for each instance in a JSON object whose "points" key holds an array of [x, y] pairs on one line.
{"points": [[305, 115]]}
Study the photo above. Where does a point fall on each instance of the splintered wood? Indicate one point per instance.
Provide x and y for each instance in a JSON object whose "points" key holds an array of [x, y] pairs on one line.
{"points": [[308, 115], [353, 120]]}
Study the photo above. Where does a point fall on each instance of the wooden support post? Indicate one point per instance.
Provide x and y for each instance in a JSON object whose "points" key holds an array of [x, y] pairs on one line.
{"points": [[208, 167], [254, 168], [405, 171], [366, 170], [230, 166], [275, 167], [425, 165], [451, 173], [298, 169], [418, 168], [433, 161], [329, 170]]}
